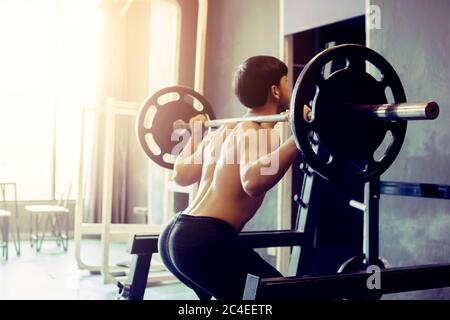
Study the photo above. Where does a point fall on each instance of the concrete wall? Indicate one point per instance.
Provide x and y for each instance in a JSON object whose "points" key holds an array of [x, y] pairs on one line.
{"points": [[415, 38], [236, 30]]}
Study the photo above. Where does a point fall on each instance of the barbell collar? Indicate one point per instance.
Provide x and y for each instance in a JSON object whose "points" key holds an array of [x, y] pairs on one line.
{"points": [[400, 111]]}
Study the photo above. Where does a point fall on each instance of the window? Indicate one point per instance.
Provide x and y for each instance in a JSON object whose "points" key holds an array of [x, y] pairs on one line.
{"points": [[47, 63], [163, 44], [163, 72], [78, 46]]}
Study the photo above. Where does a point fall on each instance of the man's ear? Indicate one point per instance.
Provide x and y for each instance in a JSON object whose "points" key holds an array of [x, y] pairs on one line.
{"points": [[275, 92]]}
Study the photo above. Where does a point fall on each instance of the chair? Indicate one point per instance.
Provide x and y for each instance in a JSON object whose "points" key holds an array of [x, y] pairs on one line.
{"points": [[55, 217], [5, 216]]}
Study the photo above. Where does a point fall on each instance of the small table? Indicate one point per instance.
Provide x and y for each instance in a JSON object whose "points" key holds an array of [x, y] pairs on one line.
{"points": [[53, 216]]}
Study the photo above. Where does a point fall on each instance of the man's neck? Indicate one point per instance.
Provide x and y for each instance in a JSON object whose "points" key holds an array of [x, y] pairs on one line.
{"points": [[266, 109]]}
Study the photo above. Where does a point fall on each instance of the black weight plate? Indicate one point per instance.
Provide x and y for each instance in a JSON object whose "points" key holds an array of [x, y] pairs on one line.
{"points": [[358, 263], [349, 142], [179, 107], [345, 136]]}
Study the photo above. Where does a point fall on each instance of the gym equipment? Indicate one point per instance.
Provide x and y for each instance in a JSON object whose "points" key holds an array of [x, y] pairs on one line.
{"points": [[348, 286], [184, 103], [341, 112], [113, 111], [349, 141], [351, 280]]}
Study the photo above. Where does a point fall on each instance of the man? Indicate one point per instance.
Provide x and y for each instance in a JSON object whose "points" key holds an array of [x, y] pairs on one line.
{"points": [[235, 166]]}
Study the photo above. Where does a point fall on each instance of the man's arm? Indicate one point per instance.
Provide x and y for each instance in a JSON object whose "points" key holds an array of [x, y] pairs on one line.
{"points": [[188, 165], [261, 171]]}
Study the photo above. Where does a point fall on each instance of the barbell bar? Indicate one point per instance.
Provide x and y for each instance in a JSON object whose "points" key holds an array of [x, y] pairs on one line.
{"points": [[395, 111]]}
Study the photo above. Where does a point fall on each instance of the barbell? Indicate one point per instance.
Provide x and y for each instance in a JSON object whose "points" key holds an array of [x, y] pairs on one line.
{"points": [[405, 111], [343, 123]]}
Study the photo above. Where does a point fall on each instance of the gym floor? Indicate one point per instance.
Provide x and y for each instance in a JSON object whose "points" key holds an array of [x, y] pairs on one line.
{"points": [[53, 275]]}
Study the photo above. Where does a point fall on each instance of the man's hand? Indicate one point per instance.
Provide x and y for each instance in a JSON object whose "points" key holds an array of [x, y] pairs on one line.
{"points": [[287, 116], [197, 125], [307, 114]]}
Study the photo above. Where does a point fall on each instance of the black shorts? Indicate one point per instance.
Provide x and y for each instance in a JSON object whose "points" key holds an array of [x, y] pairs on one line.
{"points": [[206, 253]]}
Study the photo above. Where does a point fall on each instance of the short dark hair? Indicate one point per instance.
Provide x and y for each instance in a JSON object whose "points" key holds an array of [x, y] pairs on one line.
{"points": [[253, 79]]}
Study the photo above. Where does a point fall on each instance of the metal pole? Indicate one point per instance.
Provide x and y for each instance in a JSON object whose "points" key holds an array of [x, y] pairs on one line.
{"points": [[371, 222]]}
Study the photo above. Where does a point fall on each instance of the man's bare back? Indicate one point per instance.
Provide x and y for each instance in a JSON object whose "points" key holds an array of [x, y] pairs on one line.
{"points": [[239, 163], [221, 194]]}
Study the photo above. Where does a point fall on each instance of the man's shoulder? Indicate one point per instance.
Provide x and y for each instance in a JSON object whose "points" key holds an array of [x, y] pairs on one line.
{"points": [[248, 125]]}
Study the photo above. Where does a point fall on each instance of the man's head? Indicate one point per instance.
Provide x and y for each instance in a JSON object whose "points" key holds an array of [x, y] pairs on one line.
{"points": [[261, 78]]}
